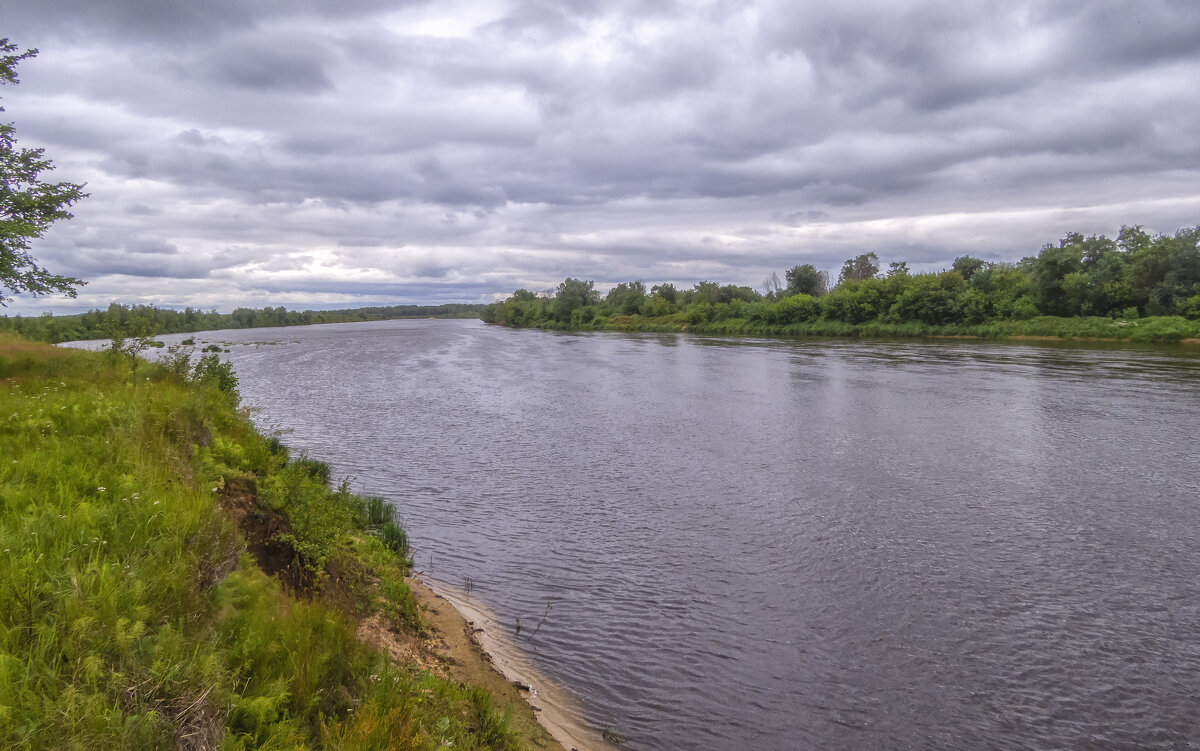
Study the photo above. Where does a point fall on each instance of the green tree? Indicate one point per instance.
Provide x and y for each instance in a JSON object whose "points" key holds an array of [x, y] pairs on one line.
{"points": [[1050, 268], [859, 302], [804, 279], [666, 291], [968, 266], [28, 206], [931, 298], [862, 266], [571, 295], [131, 331], [1133, 239], [709, 292], [1165, 270], [732, 292], [626, 298], [793, 309], [661, 301]]}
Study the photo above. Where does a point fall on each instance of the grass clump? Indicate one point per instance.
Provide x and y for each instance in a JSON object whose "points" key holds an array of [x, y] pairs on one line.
{"points": [[134, 609]]}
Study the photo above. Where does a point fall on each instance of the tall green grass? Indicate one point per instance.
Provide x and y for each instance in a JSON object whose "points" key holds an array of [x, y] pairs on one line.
{"points": [[130, 614]]}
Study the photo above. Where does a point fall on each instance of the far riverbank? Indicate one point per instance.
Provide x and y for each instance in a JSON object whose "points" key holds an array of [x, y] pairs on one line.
{"points": [[1150, 330]]}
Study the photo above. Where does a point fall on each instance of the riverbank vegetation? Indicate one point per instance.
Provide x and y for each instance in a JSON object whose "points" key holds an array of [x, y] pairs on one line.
{"points": [[1137, 287], [170, 578], [100, 324]]}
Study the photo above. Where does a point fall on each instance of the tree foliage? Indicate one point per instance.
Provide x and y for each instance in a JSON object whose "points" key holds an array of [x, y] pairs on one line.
{"points": [[573, 295], [28, 204], [805, 279], [97, 324], [626, 298], [859, 268], [1133, 276]]}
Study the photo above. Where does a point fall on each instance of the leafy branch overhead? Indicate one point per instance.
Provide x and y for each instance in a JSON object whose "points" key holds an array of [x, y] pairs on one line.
{"points": [[28, 205]]}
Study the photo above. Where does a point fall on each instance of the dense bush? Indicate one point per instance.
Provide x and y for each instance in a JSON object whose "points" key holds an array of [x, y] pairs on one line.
{"points": [[1131, 278]]}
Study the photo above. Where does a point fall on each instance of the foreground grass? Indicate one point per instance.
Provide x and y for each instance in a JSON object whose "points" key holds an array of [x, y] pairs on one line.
{"points": [[132, 614], [1149, 330]]}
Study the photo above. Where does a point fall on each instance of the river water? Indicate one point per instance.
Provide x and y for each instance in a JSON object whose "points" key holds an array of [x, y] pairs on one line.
{"points": [[735, 544]]}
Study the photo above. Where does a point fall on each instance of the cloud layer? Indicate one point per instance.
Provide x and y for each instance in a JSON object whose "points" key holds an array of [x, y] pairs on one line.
{"points": [[427, 152]]}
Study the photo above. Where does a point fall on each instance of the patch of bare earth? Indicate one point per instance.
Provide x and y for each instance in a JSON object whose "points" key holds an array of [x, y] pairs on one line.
{"points": [[447, 646], [453, 644], [263, 527]]}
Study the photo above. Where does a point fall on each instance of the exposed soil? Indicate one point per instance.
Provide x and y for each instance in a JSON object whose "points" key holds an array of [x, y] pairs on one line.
{"points": [[447, 647], [454, 646], [262, 528]]}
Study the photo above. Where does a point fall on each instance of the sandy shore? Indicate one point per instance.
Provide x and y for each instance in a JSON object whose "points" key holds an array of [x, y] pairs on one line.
{"points": [[482, 653]]}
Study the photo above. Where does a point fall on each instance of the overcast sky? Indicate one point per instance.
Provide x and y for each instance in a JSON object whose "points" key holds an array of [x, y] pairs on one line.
{"points": [[301, 152]]}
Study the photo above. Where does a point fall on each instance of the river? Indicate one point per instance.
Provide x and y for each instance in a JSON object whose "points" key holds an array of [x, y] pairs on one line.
{"points": [[770, 544]]}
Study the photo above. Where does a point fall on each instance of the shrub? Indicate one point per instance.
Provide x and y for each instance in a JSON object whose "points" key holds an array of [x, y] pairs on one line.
{"points": [[211, 371], [316, 469], [395, 539], [794, 309], [1190, 307], [376, 511]]}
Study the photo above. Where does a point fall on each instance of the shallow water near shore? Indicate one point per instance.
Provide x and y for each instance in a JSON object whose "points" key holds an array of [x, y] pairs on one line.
{"points": [[556, 708], [728, 544]]}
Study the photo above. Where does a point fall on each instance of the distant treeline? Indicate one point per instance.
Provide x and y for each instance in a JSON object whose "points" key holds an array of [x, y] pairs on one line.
{"points": [[102, 324], [1137, 286]]}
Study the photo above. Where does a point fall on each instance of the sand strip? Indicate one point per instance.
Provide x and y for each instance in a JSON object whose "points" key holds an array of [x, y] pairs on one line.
{"points": [[484, 654]]}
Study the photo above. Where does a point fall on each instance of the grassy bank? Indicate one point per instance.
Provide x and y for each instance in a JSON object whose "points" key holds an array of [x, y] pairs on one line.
{"points": [[169, 578], [1149, 329]]}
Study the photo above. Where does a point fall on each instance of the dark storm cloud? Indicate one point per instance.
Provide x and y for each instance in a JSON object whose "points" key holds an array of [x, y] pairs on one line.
{"points": [[175, 21], [283, 64], [376, 148], [140, 20]]}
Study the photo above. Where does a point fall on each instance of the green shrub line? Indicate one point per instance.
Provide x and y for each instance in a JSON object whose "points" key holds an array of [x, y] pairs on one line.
{"points": [[132, 615], [1157, 329], [1138, 288]]}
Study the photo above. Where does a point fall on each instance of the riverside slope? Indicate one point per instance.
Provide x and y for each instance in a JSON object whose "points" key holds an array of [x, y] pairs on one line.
{"points": [[171, 578]]}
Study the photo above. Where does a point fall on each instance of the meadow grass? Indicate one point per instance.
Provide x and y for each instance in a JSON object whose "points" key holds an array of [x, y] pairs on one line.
{"points": [[132, 615]]}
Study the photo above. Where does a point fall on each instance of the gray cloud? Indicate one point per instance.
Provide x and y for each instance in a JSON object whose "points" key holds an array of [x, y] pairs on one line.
{"points": [[265, 152], [285, 63], [177, 22]]}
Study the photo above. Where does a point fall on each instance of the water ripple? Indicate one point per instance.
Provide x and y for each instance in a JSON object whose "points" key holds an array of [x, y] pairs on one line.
{"points": [[779, 545]]}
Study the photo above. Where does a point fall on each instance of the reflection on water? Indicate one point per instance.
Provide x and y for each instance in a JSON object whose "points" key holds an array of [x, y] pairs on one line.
{"points": [[778, 544]]}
